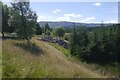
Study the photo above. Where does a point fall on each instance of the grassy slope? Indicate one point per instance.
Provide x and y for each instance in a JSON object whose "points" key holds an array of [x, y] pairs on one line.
{"points": [[111, 70], [18, 62]]}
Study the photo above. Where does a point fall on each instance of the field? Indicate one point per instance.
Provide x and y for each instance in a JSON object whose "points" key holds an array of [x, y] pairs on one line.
{"points": [[49, 62]]}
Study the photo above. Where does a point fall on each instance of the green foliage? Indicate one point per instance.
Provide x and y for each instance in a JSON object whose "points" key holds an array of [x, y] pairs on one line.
{"points": [[68, 30], [60, 32], [51, 29], [47, 27], [24, 19], [38, 29], [98, 44], [47, 32], [67, 36], [5, 19]]}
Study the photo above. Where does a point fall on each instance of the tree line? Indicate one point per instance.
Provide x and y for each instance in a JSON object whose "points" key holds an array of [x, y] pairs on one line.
{"points": [[96, 44]]}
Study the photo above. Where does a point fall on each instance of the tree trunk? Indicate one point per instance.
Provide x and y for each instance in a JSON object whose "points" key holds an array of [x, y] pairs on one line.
{"points": [[28, 41], [3, 36]]}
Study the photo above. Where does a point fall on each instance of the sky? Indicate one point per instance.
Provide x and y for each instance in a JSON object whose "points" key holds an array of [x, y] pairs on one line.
{"points": [[87, 12]]}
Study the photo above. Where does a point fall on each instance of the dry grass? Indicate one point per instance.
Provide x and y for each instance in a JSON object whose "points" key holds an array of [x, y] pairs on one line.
{"points": [[60, 62], [18, 62]]}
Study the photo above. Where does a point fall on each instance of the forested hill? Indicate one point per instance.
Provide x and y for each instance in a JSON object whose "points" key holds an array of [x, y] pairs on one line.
{"points": [[69, 24]]}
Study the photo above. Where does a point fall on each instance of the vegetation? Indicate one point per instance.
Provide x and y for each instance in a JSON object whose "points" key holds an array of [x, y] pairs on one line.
{"points": [[60, 32], [5, 18], [50, 63], [47, 28], [67, 36], [27, 19], [38, 29], [99, 45], [19, 19], [48, 32], [62, 49], [106, 69]]}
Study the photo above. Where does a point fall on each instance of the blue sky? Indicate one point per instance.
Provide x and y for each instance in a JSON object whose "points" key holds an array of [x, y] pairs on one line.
{"points": [[88, 12]]}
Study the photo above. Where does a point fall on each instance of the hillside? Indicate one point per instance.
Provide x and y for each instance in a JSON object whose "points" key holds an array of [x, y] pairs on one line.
{"points": [[59, 40], [22, 63], [69, 24]]}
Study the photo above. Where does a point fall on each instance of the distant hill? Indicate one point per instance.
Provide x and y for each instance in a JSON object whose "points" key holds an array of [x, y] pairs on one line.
{"points": [[69, 24]]}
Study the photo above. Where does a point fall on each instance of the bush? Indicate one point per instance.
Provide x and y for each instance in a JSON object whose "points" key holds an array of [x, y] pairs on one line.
{"points": [[60, 32], [67, 36]]}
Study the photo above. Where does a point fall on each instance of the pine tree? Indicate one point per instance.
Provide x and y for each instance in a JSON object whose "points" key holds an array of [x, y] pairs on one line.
{"points": [[73, 41], [38, 29], [47, 27]]}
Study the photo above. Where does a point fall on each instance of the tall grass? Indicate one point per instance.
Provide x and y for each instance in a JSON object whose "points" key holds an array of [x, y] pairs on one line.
{"points": [[111, 70], [21, 63], [60, 48]]}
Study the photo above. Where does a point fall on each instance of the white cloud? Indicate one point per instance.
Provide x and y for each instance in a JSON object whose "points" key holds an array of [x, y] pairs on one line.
{"points": [[56, 11], [40, 18], [73, 15], [111, 21], [97, 4], [67, 17], [44, 18], [88, 19]]}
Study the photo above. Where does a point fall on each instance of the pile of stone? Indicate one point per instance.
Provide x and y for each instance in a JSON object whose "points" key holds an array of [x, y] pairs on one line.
{"points": [[56, 40], [62, 43], [47, 39]]}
